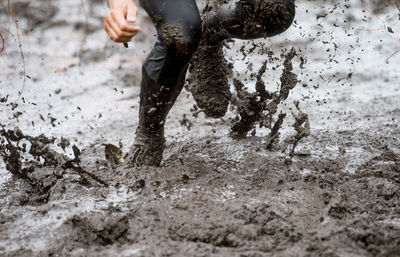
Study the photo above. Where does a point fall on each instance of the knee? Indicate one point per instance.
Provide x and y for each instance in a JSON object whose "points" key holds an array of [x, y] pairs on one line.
{"points": [[275, 16], [193, 36], [182, 39]]}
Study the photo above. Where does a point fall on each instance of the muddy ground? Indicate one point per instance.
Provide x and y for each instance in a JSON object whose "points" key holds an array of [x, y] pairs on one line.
{"points": [[336, 194]]}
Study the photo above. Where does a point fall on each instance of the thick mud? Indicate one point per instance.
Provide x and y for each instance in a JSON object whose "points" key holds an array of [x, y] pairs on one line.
{"points": [[208, 80], [174, 35], [232, 203], [316, 171]]}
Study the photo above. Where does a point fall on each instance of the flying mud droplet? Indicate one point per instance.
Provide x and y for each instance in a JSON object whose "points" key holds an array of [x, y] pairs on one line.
{"points": [[4, 99]]}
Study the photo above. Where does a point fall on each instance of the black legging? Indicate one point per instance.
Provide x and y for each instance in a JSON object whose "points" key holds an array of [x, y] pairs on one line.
{"points": [[179, 29], [178, 25]]}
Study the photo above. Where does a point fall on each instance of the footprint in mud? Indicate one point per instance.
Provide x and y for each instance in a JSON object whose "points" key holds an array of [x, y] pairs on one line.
{"points": [[95, 229]]}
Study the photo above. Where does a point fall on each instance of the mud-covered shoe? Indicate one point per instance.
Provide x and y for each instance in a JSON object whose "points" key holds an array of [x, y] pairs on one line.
{"points": [[147, 150], [207, 80]]}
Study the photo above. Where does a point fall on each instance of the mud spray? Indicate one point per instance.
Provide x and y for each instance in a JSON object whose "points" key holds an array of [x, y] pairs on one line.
{"points": [[261, 107]]}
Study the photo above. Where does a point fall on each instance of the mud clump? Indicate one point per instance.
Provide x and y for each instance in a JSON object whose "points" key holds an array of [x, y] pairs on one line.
{"points": [[173, 35], [208, 81], [288, 78], [14, 142], [302, 128], [249, 108]]}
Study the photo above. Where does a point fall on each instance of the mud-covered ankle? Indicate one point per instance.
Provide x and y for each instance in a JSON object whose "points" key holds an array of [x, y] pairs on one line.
{"points": [[147, 149]]}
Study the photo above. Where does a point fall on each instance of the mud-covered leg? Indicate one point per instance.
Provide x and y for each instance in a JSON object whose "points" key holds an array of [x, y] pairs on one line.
{"points": [[178, 26], [243, 19]]}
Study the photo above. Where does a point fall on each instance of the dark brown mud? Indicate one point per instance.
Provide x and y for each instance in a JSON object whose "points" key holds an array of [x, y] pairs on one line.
{"points": [[35, 160], [208, 80], [173, 35]]}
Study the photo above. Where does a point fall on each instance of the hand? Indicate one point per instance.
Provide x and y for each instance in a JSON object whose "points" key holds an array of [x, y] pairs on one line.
{"points": [[116, 22]]}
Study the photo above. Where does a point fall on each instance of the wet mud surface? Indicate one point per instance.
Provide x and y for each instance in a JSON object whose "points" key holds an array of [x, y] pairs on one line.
{"points": [[214, 199], [306, 161]]}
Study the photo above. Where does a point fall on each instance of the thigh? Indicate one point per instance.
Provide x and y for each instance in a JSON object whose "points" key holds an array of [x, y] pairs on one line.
{"points": [[177, 12], [178, 24]]}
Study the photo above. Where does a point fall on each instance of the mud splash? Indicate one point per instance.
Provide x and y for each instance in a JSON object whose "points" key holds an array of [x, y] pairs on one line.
{"points": [[34, 159], [260, 108]]}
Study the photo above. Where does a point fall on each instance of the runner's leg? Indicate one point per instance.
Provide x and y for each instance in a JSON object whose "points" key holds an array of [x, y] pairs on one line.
{"points": [[178, 26]]}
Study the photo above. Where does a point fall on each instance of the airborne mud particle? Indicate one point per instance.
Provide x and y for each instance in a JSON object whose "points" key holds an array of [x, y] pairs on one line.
{"points": [[185, 122], [249, 109], [273, 136], [288, 78], [4, 99], [302, 128]]}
